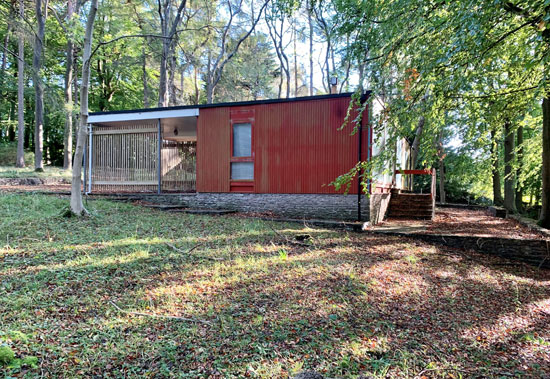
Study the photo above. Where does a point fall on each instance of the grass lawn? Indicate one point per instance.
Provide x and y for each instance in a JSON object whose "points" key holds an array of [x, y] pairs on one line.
{"points": [[28, 172], [251, 301]]}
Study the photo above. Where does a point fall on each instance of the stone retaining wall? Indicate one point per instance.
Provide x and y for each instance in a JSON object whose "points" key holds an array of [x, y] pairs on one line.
{"points": [[301, 206]]}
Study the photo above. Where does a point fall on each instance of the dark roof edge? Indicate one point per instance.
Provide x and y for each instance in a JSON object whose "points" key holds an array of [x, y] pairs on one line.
{"points": [[236, 104]]}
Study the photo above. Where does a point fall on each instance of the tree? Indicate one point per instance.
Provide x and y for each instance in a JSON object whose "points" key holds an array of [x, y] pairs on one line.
{"points": [[168, 26], [20, 159], [77, 207], [218, 60], [41, 8], [251, 74], [495, 171], [275, 21], [509, 179], [72, 9], [456, 46]]}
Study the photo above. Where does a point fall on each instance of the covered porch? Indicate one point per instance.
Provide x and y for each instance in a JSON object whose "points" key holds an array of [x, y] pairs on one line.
{"points": [[142, 151]]}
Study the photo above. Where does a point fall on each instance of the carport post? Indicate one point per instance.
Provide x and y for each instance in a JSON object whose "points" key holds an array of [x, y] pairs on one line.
{"points": [[159, 165], [90, 159]]}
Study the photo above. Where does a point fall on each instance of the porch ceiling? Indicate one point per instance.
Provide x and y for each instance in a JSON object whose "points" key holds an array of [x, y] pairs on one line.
{"points": [[177, 125]]}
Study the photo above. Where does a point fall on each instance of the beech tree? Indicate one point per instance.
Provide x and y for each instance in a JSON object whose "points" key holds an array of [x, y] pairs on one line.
{"points": [[20, 158], [41, 9]]}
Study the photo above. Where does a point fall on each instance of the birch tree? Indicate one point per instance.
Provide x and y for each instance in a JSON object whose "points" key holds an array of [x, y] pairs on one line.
{"points": [[77, 207]]}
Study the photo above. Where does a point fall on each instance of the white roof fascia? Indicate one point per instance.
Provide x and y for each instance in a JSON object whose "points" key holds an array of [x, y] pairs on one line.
{"points": [[135, 116]]}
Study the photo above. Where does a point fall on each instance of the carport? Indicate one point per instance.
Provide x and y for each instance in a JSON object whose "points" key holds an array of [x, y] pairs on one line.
{"points": [[142, 151]]}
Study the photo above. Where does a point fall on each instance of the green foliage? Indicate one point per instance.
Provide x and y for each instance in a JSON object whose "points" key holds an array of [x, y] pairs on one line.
{"points": [[7, 355], [8, 152], [251, 74]]}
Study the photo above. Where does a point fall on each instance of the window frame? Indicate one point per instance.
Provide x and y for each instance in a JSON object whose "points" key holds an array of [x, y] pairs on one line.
{"points": [[242, 117]]}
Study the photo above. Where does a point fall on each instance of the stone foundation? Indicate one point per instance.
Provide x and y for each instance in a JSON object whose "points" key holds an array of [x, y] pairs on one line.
{"points": [[300, 206]]}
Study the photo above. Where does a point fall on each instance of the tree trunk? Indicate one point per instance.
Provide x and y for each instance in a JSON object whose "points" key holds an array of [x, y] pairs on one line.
{"points": [[20, 160], [163, 79], [519, 157], [441, 155], [169, 28], [545, 210], [172, 76], [68, 134], [77, 207], [146, 103], [310, 23], [5, 54], [416, 142], [41, 13], [509, 180], [497, 193], [295, 60]]}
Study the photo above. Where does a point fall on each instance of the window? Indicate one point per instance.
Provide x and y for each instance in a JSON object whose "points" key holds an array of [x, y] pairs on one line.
{"points": [[242, 140], [242, 151], [242, 170]]}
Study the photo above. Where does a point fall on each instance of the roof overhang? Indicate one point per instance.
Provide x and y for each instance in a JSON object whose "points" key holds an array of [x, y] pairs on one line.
{"points": [[142, 115]]}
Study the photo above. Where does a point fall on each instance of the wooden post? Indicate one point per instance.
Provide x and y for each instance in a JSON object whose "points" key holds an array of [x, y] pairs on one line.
{"points": [[90, 150]]}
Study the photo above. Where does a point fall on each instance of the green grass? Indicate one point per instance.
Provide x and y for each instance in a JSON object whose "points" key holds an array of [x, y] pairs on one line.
{"points": [[50, 172], [8, 154], [250, 301]]}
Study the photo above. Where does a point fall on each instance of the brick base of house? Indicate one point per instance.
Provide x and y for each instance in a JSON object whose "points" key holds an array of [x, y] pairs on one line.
{"points": [[301, 206]]}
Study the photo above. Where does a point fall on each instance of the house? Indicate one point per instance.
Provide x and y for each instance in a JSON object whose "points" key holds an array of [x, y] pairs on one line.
{"points": [[270, 156]]}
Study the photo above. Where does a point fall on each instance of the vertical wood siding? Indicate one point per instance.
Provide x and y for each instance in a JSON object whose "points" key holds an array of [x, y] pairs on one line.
{"points": [[298, 147]]}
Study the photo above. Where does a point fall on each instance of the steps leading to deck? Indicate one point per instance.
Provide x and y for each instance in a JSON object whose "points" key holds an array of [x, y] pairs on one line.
{"points": [[411, 206]]}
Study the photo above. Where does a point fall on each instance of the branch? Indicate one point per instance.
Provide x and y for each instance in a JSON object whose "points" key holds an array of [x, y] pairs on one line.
{"points": [[159, 316], [495, 94], [239, 42], [60, 22]]}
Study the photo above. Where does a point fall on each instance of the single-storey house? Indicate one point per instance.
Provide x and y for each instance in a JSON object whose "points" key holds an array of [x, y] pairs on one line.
{"points": [[269, 156]]}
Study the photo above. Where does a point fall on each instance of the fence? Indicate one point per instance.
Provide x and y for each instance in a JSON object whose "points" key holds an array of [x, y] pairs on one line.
{"points": [[126, 159]]}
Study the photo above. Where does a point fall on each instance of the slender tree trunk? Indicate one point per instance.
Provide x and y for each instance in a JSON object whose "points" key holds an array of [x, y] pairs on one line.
{"points": [[77, 207], [509, 180], [310, 24], [416, 142], [41, 14], [545, 211], [519, 157], [441, 154], [497, 193], [172, 75], [196, 83], [163, 80], [68, 134], [295, 60], [5, 54], [20, 160], [146, 103]]}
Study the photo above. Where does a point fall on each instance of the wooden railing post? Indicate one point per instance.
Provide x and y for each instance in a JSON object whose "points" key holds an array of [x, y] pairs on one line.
{"points": [[434, 190]]}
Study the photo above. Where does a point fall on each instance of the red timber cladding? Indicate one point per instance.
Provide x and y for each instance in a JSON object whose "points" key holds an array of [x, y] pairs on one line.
{"points": [[213, 150], [298, 147]]}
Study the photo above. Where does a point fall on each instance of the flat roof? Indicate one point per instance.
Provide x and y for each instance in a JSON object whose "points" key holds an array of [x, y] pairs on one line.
{"points": [[173, 110]]}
